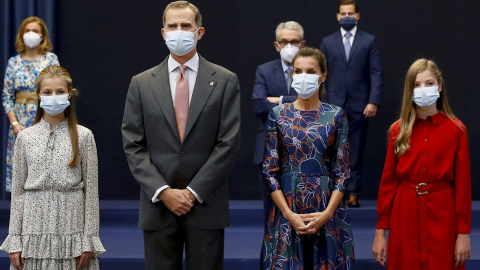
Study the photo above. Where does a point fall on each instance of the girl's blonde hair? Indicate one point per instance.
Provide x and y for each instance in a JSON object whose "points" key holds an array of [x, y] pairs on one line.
{"points": [[70, 115], [408, 113]]}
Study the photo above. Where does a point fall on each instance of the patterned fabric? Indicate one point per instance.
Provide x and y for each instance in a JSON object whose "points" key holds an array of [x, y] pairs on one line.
{"points": [[181, 102], [306, 156], [54, 212], [21, 75]]}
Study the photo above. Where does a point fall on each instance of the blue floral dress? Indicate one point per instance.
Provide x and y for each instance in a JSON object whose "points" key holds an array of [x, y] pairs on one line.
{"points": [[306, 156], [21, 75]]}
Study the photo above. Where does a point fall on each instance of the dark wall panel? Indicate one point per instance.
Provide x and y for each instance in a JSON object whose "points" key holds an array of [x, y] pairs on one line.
{"points": [[104, 43]]}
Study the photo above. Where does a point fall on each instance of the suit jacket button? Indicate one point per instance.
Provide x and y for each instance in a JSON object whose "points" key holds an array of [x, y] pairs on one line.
{"points": [[182, 154]]}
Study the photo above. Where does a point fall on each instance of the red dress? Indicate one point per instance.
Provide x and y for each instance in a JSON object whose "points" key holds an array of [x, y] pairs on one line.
{"points": [[423, 227]]}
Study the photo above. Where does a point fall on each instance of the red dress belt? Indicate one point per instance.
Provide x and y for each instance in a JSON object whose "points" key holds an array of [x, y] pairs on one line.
{"points": [[425, 188]]}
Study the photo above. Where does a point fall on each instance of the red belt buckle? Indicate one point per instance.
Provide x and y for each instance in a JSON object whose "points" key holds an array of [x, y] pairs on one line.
{"points": [[422, 189]]}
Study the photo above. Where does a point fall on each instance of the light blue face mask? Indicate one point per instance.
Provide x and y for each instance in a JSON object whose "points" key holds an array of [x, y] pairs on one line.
{"points": [[305, 84], [180, 42], [425, 96], [54, 105]]}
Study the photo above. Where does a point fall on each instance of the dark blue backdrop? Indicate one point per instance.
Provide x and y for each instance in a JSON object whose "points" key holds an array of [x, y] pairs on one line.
{"points": [[104, 43]]}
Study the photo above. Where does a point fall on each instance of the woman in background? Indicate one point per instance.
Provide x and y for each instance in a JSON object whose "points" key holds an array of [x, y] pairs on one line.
{"points": [[306, 170], [424, 199], [54, 217], [18, 96]]}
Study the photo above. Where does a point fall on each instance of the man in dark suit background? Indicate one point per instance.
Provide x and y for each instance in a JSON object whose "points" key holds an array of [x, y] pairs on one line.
{"points": [[354, 83], [273, 79], [181, 137]]}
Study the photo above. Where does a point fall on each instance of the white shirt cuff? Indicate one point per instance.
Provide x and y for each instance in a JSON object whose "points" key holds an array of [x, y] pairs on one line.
{"points": [[155, 196], [199, 199], [280, 102]]}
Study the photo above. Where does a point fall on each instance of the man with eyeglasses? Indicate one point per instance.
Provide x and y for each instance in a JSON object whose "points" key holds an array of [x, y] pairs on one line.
{"points": [[273, 79], [354, 83]]}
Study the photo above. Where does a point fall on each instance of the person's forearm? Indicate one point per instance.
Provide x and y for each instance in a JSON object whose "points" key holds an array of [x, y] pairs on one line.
{"points": [[280, 201], [11, 117], [334, 201]]}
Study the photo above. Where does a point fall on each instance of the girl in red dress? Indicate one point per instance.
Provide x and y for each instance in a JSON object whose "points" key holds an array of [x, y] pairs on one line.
{"points": [[424, 199]]}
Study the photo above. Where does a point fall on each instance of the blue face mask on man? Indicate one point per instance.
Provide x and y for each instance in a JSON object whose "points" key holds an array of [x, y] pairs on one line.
{"points": [[180, 42], [348, 23]]}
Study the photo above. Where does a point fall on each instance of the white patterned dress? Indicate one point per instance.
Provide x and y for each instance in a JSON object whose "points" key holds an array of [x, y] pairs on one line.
{"points": [[20, 76], [54, 213]]}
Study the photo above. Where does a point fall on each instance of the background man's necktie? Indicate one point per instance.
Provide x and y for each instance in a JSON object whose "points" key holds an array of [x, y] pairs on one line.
{"points": [[181, 102], [289, 79], [347, 44]]}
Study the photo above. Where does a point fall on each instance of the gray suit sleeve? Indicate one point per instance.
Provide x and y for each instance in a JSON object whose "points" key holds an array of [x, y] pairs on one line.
{"points": [[223, 157], [134, 143]]}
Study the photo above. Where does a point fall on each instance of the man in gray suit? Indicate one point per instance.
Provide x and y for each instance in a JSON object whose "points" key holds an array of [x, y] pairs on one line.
{"points": [[181, 137]]}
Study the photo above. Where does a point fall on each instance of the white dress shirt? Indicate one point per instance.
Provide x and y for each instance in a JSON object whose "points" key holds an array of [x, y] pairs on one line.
{"points": [[353, 31], [173, 73]]}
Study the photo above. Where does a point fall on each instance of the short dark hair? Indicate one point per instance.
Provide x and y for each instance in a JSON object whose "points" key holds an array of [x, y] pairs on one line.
{"points": [[348, 2], [184, 4]]}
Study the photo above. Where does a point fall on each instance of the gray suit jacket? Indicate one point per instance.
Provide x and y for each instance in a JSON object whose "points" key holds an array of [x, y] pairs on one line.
{"points": [[208, 153]]}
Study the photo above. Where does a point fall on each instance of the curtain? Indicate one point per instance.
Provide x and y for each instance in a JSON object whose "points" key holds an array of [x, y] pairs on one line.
{"points": [[13, 12]]}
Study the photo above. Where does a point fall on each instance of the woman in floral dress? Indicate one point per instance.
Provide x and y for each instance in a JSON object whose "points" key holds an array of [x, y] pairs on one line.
{"points": [[18, 96], [54, 217], [306, 169]]}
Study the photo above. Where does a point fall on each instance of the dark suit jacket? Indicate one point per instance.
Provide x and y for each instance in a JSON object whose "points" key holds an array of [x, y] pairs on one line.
{"points": [[354, 83], [269, 82], [204, 160]]}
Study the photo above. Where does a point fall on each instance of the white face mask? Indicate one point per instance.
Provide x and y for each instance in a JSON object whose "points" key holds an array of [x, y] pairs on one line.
{"points": [[305, 84], [425, 96], [288, 52], [180, 42], [54, 105], [31, 39]]}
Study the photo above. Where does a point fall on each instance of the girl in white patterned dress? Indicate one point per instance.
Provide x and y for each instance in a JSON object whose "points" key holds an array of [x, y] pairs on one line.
{"points": [[54, 219]]}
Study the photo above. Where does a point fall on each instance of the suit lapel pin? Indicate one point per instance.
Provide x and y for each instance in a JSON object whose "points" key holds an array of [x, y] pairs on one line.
{"points": [[211, 83]]}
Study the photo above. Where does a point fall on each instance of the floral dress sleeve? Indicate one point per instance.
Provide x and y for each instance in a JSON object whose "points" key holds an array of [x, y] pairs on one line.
{"points": [[8, 93], [341, 164], [91, 240], [53, 60], [13, 242], [272, 158]]}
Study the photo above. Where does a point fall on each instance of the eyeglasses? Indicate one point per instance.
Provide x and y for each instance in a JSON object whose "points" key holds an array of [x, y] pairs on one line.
{"points": [[282, 43], [349, 14]]}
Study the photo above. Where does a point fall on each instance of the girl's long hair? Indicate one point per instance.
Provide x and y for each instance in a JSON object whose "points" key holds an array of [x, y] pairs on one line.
{"points": [[70, 115], [408, 113]]}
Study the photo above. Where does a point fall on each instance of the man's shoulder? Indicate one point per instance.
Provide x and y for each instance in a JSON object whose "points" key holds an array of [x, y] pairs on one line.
{"points": [[332, 36], [147, 72], [269, 64], [153, 70], [365, 35], [212, 67], [269, 67]]}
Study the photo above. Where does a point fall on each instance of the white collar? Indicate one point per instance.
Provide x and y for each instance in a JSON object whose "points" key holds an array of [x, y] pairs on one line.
{"points": [[192, 63]]}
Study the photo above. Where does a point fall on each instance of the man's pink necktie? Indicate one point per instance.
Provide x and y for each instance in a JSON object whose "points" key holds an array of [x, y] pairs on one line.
{"points": [[181, 102]]}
